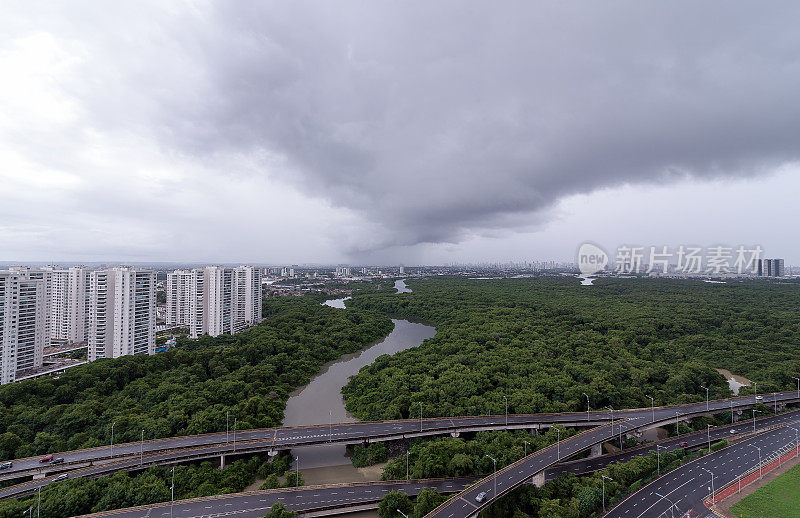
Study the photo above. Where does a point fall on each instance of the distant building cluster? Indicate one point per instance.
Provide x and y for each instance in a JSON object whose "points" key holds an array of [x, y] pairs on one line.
{"points": [[769, 268], [111, 310], [214, 300]]}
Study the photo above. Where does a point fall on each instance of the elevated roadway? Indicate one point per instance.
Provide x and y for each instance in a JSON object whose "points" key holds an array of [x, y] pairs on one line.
{"points": [[327, 500], [534, 465], [130, 456], [357, 496], [686, 487]]}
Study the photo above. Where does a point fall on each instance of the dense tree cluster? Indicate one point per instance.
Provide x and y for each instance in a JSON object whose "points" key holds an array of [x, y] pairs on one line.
{"points": [[544, 342], [188, 389], [375, 453], [83, 495], [451, 457], [427, 500]]}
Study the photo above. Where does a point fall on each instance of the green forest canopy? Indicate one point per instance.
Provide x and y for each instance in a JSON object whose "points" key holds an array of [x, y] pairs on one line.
{"points": [[188, 389], [543, 342]]}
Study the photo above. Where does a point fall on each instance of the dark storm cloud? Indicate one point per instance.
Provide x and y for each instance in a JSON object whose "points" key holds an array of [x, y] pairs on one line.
{"points": [[437, 120]]}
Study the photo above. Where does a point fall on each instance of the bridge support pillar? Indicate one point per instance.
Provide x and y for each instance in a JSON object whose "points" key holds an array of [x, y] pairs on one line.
{"points": [[455, 434], [222, 462], [597, 450], [538, 479], [737, 414], [272, 453], [534, 431]]}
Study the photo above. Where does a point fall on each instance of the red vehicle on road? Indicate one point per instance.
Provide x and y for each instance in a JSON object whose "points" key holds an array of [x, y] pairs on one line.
{"points": [[684, 444], [46, 458]]}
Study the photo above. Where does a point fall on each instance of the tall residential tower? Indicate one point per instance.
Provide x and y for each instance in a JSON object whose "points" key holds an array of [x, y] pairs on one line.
{"points": [[214, 300], [122, 312], [22, 323]]}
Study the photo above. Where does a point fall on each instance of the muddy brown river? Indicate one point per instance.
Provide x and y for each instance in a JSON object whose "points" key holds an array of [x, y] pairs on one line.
{"points": [[321, 401]]}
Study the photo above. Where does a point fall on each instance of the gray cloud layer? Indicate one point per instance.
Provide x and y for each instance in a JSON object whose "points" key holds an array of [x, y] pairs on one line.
{"points": [[440, 120]]}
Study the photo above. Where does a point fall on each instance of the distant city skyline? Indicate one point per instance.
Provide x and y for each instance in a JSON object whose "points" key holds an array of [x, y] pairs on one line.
{"points": [[280, 133]]}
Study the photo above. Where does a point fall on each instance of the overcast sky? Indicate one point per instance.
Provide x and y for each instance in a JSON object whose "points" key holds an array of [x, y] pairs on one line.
{"points": [[395, 132]]}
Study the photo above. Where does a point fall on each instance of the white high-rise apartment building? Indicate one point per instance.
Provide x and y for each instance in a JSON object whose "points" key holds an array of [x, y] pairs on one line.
{"points": [[22, 323], [122, 312], [45, 276], [214, 300], [179, 292], [218, 296], [68, 308], [248, 298], [197, 303]]}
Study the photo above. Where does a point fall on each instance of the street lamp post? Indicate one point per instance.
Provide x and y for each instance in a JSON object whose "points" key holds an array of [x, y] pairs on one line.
{"points": [[652, 407], [227, 416], [39, 500], [526, 447], [407, 452], [731, 402], [754, 419], [495, 474], [703, 386], [760, 472], [330, 426], [112, 439], [235, 419], [677, 430], [775, 402], [612, 420], [604, 490], [671, 504], [420, 416], [755, 389], [297, 471], [506, 400], [798, 386], [558, 443], [709, 437], [713, 496], [658, 457], [141, 449], [172, 493], [587, 402]]}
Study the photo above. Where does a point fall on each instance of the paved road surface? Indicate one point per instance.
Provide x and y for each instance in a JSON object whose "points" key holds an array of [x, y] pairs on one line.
{"points": [[355, 494], [255, 504], [512, 476], [689, 484]]}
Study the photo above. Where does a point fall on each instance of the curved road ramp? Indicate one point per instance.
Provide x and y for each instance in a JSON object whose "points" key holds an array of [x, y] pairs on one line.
{"points": [[328, 500]]}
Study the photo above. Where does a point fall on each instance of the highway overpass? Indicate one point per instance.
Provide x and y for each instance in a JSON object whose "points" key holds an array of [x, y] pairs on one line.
{"points": [[534, 465], [131, 456], [355, 495]]}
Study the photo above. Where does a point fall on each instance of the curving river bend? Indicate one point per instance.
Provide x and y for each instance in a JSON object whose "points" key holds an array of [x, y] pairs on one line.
{"points": [[321, 401]]}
